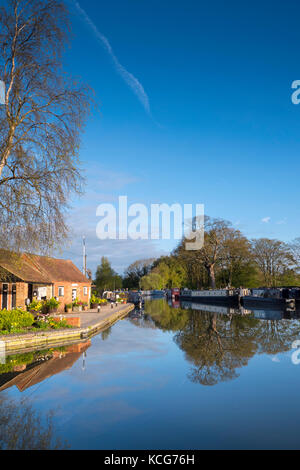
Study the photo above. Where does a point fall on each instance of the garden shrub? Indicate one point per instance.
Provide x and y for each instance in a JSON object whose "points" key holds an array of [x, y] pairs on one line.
{"points": [[15, 319]]}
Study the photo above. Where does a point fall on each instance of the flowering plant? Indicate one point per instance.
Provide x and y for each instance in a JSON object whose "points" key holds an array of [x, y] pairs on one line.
{"points": [[78, 303]]}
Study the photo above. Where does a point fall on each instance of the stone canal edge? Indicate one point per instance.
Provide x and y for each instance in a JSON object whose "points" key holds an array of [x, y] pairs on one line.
{"points": [[27, 341]]}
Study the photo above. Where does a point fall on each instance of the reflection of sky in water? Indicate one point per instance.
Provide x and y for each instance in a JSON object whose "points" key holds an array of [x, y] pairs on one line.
{"points": [[135, 393]]}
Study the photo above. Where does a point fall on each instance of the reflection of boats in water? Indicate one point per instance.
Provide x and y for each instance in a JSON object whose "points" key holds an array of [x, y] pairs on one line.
{"points": [[136, 313], [259, 313], [153, 293], [222, 309], [174, 303]]}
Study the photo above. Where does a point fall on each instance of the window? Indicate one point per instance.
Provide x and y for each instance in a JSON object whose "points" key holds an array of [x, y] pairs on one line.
{"points": [[61, 291], [13, 295], [85, 291]]}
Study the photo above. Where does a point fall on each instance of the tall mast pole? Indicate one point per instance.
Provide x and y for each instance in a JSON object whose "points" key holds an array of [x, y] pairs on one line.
{"points": [[84, 255]]}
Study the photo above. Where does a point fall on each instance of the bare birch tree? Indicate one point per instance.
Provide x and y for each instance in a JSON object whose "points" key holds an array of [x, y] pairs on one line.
{"points": [[40, 125]]}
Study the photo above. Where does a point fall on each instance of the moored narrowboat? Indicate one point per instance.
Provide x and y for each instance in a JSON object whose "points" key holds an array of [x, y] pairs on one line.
{"points": [[278, 297], [213, 296]]}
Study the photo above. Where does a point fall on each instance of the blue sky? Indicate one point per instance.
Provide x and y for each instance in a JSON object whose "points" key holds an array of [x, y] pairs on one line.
{"points": [[205, 117]]}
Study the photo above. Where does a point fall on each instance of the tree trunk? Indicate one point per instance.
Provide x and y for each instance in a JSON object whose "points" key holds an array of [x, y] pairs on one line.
{"points": [[211, 274]]}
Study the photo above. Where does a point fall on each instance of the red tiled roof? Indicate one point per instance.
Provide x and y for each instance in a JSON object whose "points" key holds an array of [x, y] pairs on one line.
{"points": [[40, 269]]}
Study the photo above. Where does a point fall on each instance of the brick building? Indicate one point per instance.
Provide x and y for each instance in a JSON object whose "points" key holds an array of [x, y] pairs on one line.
{"points": [[26, 276]]}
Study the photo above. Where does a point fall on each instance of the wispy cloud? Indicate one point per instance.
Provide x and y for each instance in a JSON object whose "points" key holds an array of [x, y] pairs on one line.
{"points": [[275, 359], [266, 220], [281, 222], [129, 79]]}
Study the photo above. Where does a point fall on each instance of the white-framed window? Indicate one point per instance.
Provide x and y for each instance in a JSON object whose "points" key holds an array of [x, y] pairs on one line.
{"points": [[61, 291], [85, 291]]}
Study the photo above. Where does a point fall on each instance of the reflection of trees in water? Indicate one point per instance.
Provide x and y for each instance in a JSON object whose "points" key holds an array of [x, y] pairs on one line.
{"points": [[166, 317], [275, 336], [217, 345], [106, 333], [22, 428]]}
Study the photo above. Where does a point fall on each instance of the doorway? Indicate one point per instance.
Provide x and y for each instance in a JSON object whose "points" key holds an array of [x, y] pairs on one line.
{"points": [[30, 292], [4, 296]]}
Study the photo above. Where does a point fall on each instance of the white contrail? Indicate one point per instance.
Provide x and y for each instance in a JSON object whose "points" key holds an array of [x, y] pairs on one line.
{"points": [[130, 79]]}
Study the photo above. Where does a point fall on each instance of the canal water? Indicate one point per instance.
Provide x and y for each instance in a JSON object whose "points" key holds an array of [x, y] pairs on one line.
{"points": [[178, 376]]}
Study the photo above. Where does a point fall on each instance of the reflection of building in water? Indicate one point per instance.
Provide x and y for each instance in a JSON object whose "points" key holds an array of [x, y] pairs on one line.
{"points": [[25, 376]]}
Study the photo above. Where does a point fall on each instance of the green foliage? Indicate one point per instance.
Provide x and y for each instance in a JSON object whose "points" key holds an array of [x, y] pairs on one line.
{"points": [[18, 321], [76, 302], [227, 258], [136, 271], [51, 324], [44, 306], [97, 300], [52, 304], [26, 358], [274, 258], [56, 325], [12, 320], [153, 280], [16, 360], [289, 277], [36, 305], [166, 317], [106, 277], [94, 299], [167, 272]]}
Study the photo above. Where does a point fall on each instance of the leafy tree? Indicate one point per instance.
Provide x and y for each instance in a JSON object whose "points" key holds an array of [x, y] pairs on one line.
{"points": [[106, 277], [273, 258], [171, 270], [152, 281], [135, 272], [40, 124], [227, 258], [224, 248], [295, 250], [289, 277]]}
